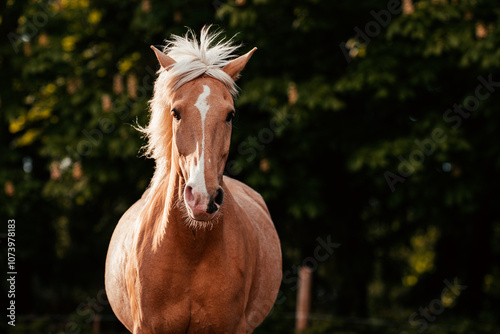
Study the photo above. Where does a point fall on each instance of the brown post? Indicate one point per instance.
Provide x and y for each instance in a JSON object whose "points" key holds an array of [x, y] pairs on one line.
{"points": [[96, 324], [303, 299]]}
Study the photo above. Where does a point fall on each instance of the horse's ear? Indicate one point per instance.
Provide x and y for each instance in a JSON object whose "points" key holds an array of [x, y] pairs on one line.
{"points": [[234, 67], [164, 60]]}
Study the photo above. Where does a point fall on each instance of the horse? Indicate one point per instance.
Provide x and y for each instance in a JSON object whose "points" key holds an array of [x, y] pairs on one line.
{"points": [[198, 252]]}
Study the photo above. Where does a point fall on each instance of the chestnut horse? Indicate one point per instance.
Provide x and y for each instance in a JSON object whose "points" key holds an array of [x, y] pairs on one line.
{"points": [[198, 253]]}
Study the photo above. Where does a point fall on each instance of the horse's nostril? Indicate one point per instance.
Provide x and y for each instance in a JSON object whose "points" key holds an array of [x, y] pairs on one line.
{"points": [[188, 194], [219, 196], [216, 201], [211, 208]]}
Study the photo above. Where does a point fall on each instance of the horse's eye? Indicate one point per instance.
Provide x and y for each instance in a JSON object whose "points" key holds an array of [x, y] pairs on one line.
{"points": [[230, 116], [175, 114]]}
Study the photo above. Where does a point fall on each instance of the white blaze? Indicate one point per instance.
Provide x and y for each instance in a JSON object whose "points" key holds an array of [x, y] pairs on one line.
{"points": [[197, 172]]}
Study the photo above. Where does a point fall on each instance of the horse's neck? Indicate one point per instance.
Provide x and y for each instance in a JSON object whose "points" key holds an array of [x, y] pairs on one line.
{"points": [[164, 247]]}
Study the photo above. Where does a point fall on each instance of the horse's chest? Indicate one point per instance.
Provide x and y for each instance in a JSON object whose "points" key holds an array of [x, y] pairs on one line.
{"points": [[209, 297]]}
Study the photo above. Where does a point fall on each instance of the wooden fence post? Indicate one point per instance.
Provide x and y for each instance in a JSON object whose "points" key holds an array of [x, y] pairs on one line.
{"points": [[303, 299]]}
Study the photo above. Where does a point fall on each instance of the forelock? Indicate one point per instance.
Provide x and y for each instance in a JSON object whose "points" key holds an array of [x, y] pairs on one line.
{"points": [[195, 58]]}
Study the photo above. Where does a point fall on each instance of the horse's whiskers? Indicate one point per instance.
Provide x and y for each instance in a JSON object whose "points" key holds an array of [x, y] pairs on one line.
{"points": [[197, 224]]}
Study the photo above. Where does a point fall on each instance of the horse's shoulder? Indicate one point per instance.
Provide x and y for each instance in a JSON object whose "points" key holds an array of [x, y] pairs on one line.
{"points": [[251, 203], [117, 259], [264, 244], [126, 225], [243, 192]]}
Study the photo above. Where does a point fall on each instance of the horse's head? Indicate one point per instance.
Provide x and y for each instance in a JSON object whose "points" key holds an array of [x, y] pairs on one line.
{"points": [[201, 112]]}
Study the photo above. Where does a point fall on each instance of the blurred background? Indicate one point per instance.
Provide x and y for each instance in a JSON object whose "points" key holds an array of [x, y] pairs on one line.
{"points": [[369, 127]]}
